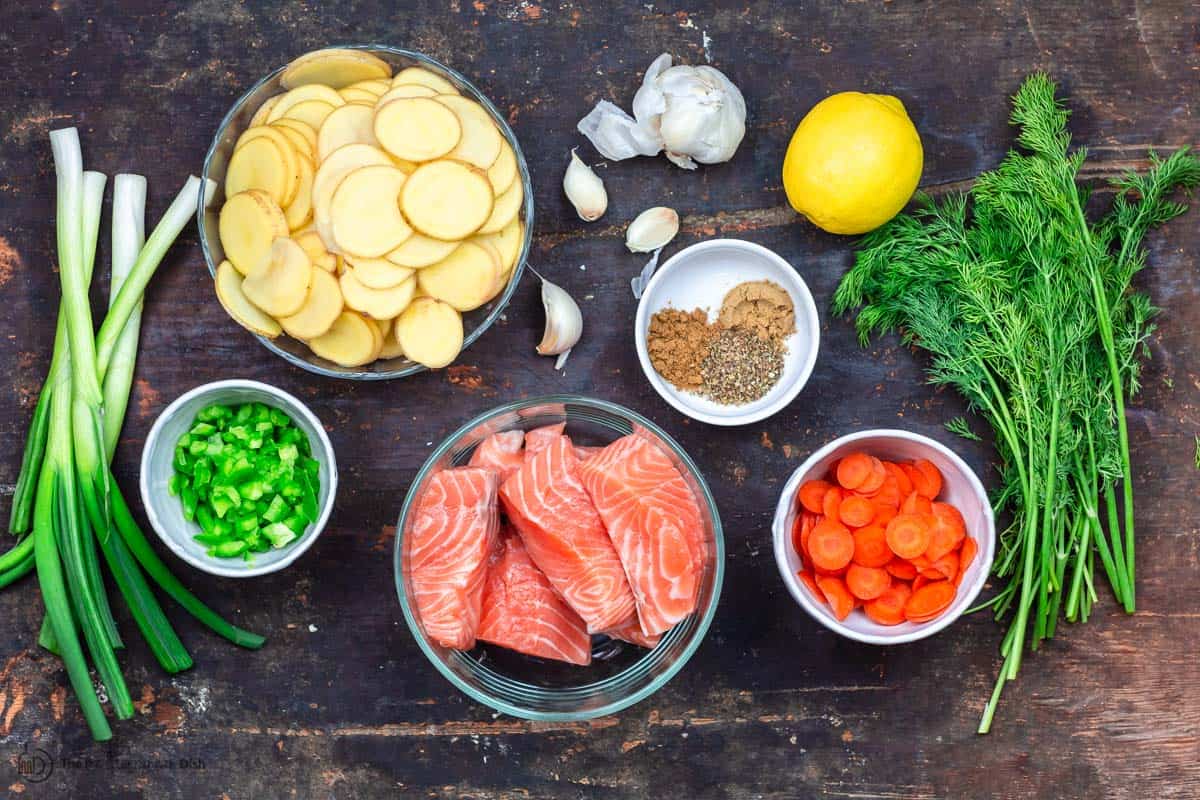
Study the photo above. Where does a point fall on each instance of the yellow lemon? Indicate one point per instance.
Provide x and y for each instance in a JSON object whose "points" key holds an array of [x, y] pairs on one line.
{"points": [[853, 162]]}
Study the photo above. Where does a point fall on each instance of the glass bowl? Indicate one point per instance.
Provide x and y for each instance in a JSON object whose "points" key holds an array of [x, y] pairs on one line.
{"points": [[620, 674], [217, 160]]}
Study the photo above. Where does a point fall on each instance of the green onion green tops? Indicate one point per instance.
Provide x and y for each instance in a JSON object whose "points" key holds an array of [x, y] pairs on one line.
{"points": [[245, 474]]}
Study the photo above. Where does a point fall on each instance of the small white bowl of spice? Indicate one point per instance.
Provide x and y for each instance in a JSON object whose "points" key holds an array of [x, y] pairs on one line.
{"points": [[727, 332]]}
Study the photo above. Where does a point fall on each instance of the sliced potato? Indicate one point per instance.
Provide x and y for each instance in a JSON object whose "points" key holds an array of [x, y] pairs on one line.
{"points": [[405, 90], [507, 241], [260, 164], [321, 308], [508, 206], [313, 92], [421, 251], [376, 87], [384, 326], [311, 112], [446, 199], [264, 111], [481, 140], [504, 171], [351, 341], [376, 303], [424, 77], [312, 245], [299, 211], [280, 286], [336, 67], [304, 130], [249, 222], [244, 313], [377, 335], [391, 347], [365, 215], [338, 165], [352, 95], [350, 124], [378, 273], [466, 280], [287, 149], [417, 128], [430, 332]]}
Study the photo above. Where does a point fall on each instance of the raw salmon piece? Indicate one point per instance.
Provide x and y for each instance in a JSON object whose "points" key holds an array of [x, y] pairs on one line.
{"points": [[500, 452], [565, 537], [654, 523], [583, 452], [453, 533], [631, 632], [538, 438], [521, 610]]}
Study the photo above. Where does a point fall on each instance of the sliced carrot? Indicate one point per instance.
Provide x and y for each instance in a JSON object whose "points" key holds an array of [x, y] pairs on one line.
{"points": [[902, 479], [798, 537], [810, 521], [837, 595], [832, 503], [965, 556], [927, 480], [908, 535], [916, 503], [875, 480], [867, 583], [943, 540], [856, 511], [808, 580], [854, 470], [830, 545], [888, 494], [832, 573], [921, 562], [888, 608], [884, 515], [929, 600], [946, 566], [901, 569], [811, 495], [871, 547], [952, 518], [919, 581]]}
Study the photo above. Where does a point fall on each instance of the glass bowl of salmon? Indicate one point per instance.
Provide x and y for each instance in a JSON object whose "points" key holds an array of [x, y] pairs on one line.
{"points": [[559, 558]]}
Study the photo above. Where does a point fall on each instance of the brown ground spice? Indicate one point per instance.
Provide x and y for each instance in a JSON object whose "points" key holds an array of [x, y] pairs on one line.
{"points": [[761, 307], [678, 342]]}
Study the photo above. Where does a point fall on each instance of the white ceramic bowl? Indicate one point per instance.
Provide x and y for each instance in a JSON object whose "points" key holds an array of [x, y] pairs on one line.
{"points": [[960, 487], [166, 512], [699, 277]]}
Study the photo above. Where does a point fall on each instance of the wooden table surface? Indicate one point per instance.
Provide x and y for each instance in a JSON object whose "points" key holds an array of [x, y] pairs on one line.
{"points": [[341, 703]]}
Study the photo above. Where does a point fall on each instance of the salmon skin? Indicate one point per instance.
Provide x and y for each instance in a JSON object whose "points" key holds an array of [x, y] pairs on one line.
{"points": [[521, 610], [453, 533], [655, 525], [500, 452], [565, 537]]}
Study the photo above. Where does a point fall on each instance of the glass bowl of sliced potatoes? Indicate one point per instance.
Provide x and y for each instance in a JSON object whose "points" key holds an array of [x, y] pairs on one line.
{"points": [[373, 212]]}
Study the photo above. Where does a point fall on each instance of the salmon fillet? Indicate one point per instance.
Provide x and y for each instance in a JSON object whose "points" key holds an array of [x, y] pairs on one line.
{"points": [[565, 537], [500, 452], [631, 632], [453, 533], [655, 525], [538, 438], [521, 610]]}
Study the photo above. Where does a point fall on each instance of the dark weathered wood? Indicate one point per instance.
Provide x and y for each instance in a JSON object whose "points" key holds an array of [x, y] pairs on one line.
{"points": [[341, 703]]}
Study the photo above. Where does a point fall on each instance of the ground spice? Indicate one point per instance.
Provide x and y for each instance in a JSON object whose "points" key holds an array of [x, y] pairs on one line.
{"points": [[762, 307], [740, 367], [678, 342]]}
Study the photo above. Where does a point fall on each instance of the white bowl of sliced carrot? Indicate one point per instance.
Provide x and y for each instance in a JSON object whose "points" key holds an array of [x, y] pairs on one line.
{"points": [[884, 536]]}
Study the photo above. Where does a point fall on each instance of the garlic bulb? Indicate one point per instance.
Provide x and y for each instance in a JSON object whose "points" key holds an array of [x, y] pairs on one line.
{"points": [[585, 190], [694, 113], [653, 229], [564, 322]]}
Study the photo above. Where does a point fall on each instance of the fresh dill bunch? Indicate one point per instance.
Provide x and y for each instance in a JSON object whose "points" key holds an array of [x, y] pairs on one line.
{"points": [[1025, 307]]}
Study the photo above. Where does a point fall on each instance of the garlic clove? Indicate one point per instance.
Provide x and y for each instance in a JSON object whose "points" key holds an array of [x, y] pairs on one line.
{"points": [[585, 190], [564, 321], [653, 229]]}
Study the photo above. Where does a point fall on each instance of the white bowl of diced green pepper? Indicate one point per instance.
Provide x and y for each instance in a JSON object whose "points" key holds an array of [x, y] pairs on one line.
{"points": [[238, 478]]}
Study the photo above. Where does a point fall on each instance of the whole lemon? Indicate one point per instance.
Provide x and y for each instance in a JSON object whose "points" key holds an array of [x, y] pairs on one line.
{"points": [[853, 162]]}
